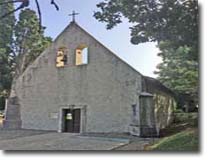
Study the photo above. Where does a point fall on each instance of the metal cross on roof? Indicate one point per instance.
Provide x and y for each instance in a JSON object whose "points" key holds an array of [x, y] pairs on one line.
{"points": [[73, 15]]}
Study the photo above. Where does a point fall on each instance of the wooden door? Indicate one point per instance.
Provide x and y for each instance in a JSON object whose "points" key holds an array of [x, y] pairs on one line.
{"points": [[68, 119], [76, 117], [72, 120]]}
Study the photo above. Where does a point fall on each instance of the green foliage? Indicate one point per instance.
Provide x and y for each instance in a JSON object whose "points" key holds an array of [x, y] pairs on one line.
{"points": [[6, 53], [20, 44], [154, 20], [6, 26], [30, 41], [190, 118], [178, 70]]}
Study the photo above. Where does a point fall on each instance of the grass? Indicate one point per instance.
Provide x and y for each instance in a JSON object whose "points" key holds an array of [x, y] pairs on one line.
{"points": [[180, 136], [184, 141]]}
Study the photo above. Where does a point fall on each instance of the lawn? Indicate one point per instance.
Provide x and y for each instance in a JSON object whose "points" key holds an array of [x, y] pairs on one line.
{"points": [[183, 135], [184, 141]]}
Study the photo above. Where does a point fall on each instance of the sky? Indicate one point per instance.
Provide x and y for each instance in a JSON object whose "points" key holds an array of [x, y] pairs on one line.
{"points": [[142, 57]]}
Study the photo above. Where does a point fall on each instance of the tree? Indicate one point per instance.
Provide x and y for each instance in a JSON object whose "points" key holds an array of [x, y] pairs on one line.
{"points": [[20, 45], [29, 40], [178, 72], [6, 53], [155, 20]]}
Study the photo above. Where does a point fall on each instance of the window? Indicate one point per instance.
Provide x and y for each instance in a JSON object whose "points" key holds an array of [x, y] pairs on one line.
{"points": [[134, 109], [61, 59], [81, 55]]}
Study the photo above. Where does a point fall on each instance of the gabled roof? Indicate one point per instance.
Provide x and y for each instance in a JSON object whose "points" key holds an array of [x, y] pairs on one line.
{"points": [[153, 85], [74, 24]]}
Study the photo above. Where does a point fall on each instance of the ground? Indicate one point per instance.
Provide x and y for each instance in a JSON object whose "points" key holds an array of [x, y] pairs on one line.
{"points": [[42, 140], [180, 136]]}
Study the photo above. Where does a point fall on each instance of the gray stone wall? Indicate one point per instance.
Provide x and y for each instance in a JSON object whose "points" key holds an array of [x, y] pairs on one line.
{"points": [[107, 87]]}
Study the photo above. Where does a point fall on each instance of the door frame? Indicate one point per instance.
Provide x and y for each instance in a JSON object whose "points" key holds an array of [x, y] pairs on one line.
{"points": [[83, 117]]}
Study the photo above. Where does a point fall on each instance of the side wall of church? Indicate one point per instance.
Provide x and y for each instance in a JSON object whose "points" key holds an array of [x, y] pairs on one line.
{"points": [[164, 109], [106, 85], [164, 103]]}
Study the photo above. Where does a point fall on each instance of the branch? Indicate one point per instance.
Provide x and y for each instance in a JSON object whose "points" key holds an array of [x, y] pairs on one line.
{"points": [[40, 15], [7, 14], [54, 3]]}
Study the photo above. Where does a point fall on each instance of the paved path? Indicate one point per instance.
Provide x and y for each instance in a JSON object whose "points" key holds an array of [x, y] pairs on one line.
{"points": [[58, 141], [12, 134]]}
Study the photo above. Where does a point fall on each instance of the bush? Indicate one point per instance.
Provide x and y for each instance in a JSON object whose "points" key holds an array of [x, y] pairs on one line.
{"points": [[190, 118], [178, 111]]}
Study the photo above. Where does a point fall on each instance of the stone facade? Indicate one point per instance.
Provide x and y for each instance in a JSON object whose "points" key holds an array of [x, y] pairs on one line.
{"points": [[164, 102], [106, 89]]}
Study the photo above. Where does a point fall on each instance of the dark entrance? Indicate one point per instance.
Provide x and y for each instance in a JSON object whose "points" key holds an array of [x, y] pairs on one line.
{"points": [[71, 120]]}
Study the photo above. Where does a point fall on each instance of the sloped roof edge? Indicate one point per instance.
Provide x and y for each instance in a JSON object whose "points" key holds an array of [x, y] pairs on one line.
{"points": [[83, 30], [158, 85]]}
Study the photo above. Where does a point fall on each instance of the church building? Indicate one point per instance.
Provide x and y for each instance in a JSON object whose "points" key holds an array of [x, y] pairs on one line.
{"points": [[77, 85]]}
